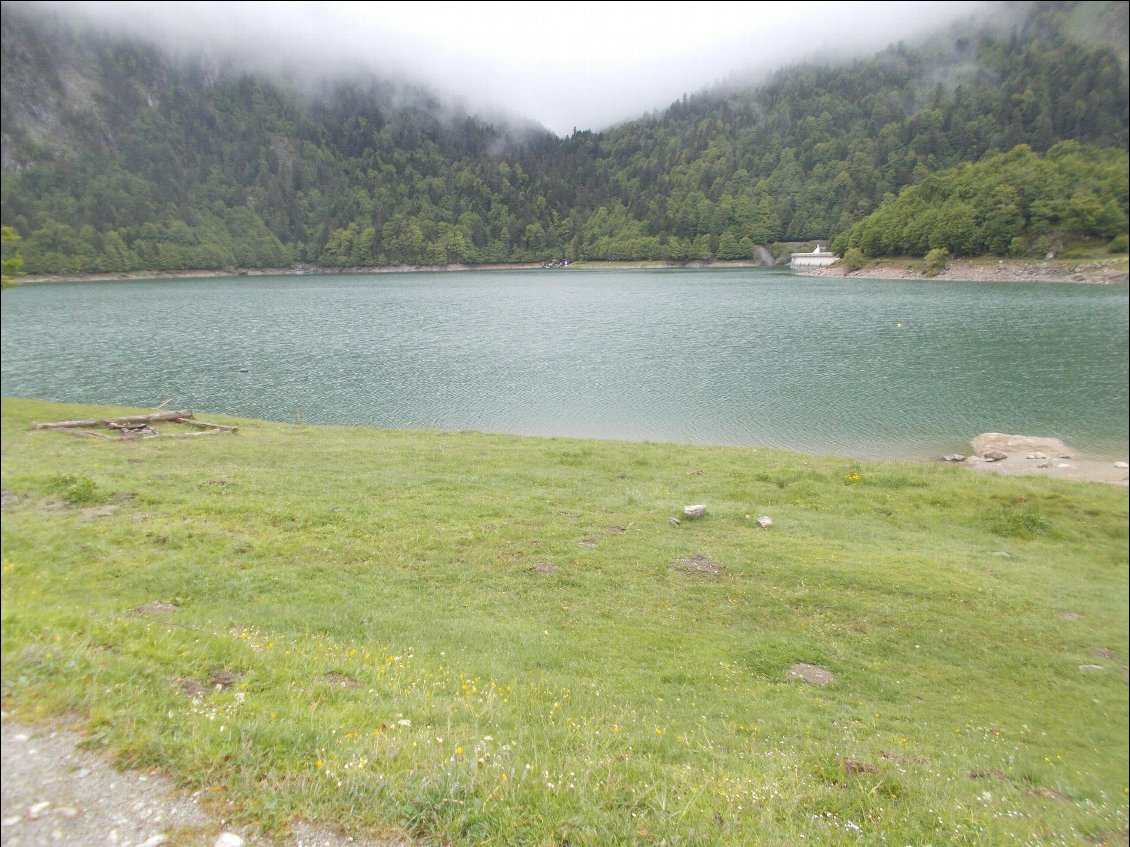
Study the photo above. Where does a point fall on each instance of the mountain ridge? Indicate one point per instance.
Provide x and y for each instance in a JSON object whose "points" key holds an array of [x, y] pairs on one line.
{"points": [[117, 158]]}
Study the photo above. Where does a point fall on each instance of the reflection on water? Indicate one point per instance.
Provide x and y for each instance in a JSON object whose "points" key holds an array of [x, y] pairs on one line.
{"points": [[737, 356]]}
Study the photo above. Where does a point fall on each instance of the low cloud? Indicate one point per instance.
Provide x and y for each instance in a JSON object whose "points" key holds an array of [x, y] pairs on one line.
{"points": [[583, 65]]}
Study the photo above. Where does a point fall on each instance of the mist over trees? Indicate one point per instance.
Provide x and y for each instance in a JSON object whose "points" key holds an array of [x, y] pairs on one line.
{"points": [[116, 158]]}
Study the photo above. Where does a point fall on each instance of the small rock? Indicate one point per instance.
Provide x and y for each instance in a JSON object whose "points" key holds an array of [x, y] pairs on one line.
{"points": [[1037, 455], [994, 456], [696, 511], [673, 521], [1044, 465], [67, 812], [954, 457], [155, 841], [38, 809], [12, 821], [1121, 465], [1064, 465], [228, 839], [765, 521], [1091, 668]]}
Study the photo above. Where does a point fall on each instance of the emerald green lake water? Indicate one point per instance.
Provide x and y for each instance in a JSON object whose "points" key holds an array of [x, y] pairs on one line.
{"points": [[738, 356]]}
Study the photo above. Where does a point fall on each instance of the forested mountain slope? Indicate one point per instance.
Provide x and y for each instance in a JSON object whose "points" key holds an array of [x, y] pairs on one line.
{"points": [[117, 157]]}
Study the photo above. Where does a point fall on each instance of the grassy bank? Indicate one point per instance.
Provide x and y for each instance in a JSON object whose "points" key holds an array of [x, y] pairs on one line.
{"points": [[480, 639]]}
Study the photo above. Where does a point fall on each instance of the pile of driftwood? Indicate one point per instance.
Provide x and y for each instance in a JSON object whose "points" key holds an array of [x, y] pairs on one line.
{"points": [[136, 426]]}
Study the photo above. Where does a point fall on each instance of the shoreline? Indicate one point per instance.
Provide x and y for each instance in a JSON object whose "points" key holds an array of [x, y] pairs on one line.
{"points": [[1021, 453], [1104, 271], [312, 270], [1101, 271]]}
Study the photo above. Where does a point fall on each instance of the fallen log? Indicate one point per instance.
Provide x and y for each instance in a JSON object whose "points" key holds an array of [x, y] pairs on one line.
{"points": [[125, 419]]}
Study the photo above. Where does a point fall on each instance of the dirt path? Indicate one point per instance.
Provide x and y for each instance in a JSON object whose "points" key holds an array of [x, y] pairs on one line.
{"points": [[55, 795]]}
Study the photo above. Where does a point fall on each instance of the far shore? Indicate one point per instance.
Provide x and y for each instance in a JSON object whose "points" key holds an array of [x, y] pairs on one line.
{"points": [[1100, 271]]}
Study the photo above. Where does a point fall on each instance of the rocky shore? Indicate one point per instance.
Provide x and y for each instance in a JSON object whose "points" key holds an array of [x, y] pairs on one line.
{"points": [[1112, 271], [1027, 455]]}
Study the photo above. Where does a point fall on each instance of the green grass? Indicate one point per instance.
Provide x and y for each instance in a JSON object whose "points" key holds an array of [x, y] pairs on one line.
{"points": [[398, 664]]}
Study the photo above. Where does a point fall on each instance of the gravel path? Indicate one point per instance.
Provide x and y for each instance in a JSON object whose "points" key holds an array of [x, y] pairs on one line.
{"points": [[55, 795]]}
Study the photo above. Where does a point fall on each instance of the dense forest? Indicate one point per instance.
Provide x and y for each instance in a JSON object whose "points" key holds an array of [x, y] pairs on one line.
{"points": [[117, 157], [1014, 203]]}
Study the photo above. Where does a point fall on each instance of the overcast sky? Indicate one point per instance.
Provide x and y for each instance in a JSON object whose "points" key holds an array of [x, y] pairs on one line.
{"points": [[563, 65]]}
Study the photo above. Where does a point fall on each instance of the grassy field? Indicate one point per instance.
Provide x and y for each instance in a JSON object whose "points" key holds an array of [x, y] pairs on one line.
{"points": [[477, 639]]}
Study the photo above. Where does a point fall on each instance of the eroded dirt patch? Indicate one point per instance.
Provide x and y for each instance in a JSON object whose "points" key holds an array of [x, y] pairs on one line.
{"points": [[340, 680], [812, 674], [223, 679], [154, 607], [697, 564]]}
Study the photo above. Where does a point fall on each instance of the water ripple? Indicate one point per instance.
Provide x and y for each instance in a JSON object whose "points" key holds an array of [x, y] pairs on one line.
{"points": [[755, 357]]}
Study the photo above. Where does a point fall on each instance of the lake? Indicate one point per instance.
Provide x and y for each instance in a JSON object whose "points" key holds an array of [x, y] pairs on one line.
{"points": [[746, 356]]}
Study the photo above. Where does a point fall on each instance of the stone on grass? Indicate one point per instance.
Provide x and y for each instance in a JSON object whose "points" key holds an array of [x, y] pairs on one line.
{"points": [[696, 511], [228, 839], [812, 674], [673, 521], [765, 521], [1121, 465], [954, 457]]}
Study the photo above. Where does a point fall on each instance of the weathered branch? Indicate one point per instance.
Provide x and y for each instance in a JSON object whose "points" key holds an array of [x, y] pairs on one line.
{"points": [[207, 425], [183, 434], [85, 433]]}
